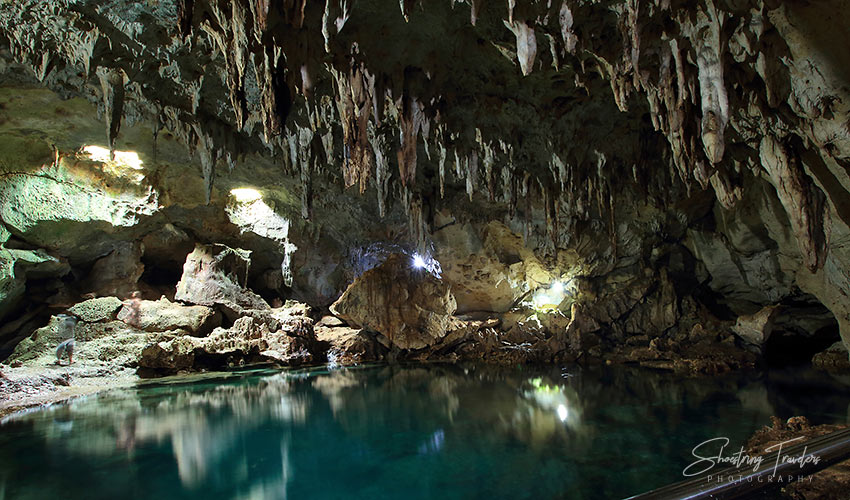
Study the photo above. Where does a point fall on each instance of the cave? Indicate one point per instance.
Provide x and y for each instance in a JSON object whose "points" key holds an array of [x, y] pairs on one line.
{"points": [[362, 249]]}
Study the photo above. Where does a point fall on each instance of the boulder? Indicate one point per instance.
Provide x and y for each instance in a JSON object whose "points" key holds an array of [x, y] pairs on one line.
{"points": [[756, 328], [162, 315], [170, 355], [217, 274], [348, 346], [409, 306], [97, 309]]}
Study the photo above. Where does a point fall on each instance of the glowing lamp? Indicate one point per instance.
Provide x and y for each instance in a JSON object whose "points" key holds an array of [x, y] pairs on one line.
{"points": [[418, 261]]}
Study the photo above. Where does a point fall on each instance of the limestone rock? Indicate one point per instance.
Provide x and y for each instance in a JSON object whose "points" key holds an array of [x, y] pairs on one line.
{"points": [[163, 315], [348, 346], [117, 273], [834, 359], [16, 266], [109, 344], [168, 244], [248, 340], [409, 306], [170, 355], [756, 328], [97, 309], [217, 274]]}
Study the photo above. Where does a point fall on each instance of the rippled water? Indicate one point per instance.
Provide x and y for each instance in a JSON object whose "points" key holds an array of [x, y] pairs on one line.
{"points": [[396, 432]]}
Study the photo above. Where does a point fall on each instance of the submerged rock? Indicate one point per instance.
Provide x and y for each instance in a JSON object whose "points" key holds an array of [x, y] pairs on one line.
{"points": [[409, 306]]}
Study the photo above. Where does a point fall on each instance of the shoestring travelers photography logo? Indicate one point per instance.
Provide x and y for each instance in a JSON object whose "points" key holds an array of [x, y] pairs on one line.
{"points": [[782, 462]]}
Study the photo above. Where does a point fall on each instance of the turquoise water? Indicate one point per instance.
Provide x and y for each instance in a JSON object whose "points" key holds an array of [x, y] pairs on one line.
{"points": [[410, 432]]}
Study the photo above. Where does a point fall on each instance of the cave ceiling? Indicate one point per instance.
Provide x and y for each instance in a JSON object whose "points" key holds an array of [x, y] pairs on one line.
{"points": [[567, 103]]}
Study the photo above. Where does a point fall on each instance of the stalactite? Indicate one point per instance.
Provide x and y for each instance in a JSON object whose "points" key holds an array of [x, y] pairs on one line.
{"points": [[471, 173], [406, 6], [112, 85], [237, 60], [474, 10], [565, 18], [260, 14], [305, 161], [714, 100], [382, 168], [209, 155], [441, 149], [633, 36], [354, 104], [409, 123], [157, 126], [526, 45], [335, 16], [489, 158], [185, 12], [802, 199]]}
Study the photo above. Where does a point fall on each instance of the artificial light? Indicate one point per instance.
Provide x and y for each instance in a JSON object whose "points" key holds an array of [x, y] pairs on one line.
{"points": [[418, 261]]}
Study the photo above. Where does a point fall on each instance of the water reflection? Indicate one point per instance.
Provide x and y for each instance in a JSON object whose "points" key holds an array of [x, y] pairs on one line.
{"points": [[418, 431]]}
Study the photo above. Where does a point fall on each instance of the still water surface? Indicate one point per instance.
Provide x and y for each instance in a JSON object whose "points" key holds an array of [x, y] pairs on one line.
{"points": [[409, 432]]}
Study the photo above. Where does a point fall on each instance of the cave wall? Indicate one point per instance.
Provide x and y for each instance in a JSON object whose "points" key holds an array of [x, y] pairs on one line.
{"points": [[665, 159]]}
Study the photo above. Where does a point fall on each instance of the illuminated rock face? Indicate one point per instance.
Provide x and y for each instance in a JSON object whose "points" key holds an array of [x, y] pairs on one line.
{"points": [[217, 275], [409, 306]]}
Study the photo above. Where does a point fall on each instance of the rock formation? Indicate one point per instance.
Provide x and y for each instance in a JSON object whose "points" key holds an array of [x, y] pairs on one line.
{"points": [[406, 304], [620, 180]]}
